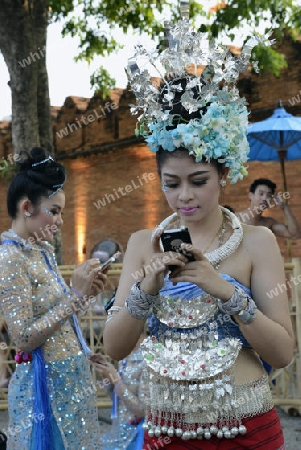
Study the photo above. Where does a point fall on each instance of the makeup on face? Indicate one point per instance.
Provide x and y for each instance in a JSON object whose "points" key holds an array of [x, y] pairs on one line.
{"points": [[47, 211]]}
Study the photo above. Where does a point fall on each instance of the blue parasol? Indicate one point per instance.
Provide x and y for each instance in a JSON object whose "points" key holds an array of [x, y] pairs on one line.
{"points": [[277, 138]]}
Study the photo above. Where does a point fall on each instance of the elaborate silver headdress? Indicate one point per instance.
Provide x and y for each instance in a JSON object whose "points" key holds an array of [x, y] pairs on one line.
{"points": [[190, 100]]}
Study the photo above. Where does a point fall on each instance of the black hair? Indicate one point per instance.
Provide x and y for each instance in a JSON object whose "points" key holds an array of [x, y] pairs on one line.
{"points": [[176, 109], [263, 181], [39, 175], [108, 245], [163, 155]]}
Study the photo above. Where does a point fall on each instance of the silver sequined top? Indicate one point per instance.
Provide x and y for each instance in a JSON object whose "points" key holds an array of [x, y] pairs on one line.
{"points": [[29, 295]]}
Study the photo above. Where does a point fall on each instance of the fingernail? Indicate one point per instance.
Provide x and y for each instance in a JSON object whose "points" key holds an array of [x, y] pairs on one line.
{"points": [[158, 232]]}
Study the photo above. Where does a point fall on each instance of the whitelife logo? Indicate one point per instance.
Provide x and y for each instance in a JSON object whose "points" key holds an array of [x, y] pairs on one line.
{"points": [[134, 184]]}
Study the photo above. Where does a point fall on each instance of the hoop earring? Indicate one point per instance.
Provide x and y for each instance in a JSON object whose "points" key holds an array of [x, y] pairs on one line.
{"points": [[27, 214], [223, 183]]}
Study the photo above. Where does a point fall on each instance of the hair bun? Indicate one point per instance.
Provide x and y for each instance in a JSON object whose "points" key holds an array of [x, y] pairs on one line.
{"points": [[38, 155], [41, 168], [27, 160]]}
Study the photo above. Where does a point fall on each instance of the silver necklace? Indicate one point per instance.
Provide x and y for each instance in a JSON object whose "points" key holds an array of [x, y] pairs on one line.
{"points": [[223, 251], [230, 246]]}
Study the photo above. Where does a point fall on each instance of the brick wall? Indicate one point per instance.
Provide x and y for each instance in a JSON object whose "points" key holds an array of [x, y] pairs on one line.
{"points": [[111, 194], [106, 163]]}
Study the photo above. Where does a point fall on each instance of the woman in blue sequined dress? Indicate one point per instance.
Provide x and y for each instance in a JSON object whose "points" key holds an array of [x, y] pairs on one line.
{"points": [[47, 410]]}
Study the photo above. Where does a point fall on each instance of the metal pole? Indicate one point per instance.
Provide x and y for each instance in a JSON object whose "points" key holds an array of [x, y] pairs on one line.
{"points": [[282, 155]]}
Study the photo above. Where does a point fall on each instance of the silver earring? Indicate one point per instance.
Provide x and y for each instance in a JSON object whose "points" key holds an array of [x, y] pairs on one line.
{"points": [[223, 183], [27, 214]]}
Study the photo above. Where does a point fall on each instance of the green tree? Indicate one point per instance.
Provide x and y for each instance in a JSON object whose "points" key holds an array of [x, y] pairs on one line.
{"points": [[23, 43], [283, 16]]}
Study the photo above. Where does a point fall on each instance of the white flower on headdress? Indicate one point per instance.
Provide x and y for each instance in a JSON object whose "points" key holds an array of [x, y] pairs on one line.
{"points": [[169, 96], [217, 123], [189, 102]]}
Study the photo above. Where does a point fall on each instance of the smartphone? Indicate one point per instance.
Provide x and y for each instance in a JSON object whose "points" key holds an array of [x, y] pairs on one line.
{"points": [[109, 261], [172, 240]]}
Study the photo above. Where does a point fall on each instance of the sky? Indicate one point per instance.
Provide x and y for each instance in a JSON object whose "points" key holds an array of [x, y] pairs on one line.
{"points": [[67, 78]]}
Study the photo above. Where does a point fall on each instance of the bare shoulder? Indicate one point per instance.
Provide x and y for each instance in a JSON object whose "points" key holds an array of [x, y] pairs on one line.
{"points": [[141, 238], [258, 238], [139, 246], [257, 232]]}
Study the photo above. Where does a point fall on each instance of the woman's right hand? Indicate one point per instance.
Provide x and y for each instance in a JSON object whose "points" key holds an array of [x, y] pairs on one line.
{"points": [[156, 269]]}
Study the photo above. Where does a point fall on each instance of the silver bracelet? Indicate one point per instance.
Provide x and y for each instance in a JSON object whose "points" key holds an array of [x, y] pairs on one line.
{"points": [[139, 304], [236, 303], [248, 314], [114, 310]]}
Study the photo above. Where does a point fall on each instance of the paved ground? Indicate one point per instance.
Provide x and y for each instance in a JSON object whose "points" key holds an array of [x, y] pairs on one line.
{"points": [[291, 426]]}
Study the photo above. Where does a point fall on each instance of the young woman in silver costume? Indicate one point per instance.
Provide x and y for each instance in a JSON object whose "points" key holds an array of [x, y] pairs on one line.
{"points": [[212, 318]]}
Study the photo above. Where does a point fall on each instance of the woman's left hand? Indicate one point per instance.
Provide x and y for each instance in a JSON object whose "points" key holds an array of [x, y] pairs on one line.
{"points": [[203, 274]]}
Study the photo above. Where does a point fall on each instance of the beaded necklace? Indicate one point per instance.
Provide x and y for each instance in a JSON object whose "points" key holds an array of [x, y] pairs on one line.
{"points": [[224, 250]]}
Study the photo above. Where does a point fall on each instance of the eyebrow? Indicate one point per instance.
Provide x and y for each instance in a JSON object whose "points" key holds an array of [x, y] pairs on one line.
{"points": [[199, 172], [55, 206]]}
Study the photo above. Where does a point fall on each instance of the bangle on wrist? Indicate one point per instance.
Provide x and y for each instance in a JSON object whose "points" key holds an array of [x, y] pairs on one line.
{"points": [[248, 314], [236, 305], [139, 304], [114, 310]]}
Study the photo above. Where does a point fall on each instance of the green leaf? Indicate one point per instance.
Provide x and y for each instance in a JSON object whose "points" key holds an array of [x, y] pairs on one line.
{"points": [[95, 22], [101, 81]]}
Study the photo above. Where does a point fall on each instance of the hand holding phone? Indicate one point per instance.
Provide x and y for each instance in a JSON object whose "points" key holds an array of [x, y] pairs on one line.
{"points": [[110, 261], [172, 240]]}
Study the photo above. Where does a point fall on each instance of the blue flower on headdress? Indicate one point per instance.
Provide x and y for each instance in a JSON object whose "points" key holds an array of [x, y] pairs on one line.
{"points": [[187, 75], [220, 133]]}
